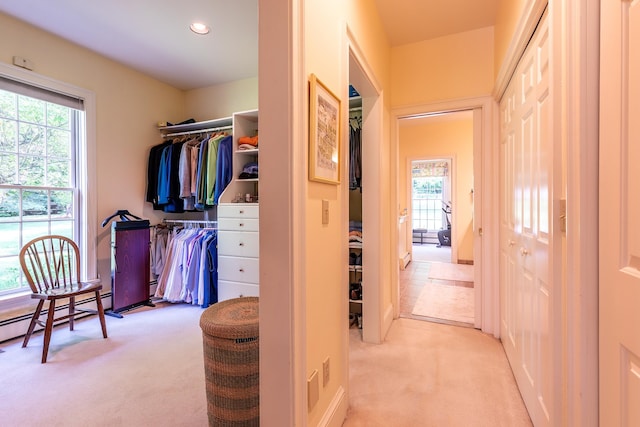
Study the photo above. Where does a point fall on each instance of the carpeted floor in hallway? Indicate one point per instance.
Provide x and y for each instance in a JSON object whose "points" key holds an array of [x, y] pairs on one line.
{"points": [[430, 374]]}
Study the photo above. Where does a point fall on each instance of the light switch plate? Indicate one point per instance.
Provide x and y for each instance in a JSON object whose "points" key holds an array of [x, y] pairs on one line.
{"points": [[325, 212]]}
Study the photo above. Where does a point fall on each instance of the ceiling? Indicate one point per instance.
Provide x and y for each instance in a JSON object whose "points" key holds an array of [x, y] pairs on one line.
{"points": [[153, 36]]}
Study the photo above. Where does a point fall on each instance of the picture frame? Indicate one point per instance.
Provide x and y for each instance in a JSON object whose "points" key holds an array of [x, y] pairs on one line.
{"points": [[324, 133]]}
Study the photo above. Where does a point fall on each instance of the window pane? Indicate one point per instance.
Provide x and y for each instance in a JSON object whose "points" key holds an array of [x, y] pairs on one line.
{"points": [[8, 169], [31, 110], [9, 205], [10, 277], [31, 170], [63, 228], [8, 135], [34, 203], [31, 139], [59, 143], [31, 230], [9, 239], [8, 105], [58, 173], [58, 116], [62, 204]]}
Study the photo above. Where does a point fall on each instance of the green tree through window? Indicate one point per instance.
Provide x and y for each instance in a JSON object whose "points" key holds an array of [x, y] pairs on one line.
{"points": [[38, 140]]}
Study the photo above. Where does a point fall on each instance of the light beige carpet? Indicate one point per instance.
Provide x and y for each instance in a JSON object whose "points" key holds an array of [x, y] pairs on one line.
{"points": [[445, 302], [428, 374], [149, 372], [448, 271]]}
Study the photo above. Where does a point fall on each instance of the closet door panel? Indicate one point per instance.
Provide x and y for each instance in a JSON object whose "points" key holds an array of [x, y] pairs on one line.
{"points": [[237, 243], [228, 290]]}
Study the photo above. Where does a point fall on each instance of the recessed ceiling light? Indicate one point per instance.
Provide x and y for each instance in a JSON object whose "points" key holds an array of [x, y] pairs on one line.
{"points": [[199, 28]]}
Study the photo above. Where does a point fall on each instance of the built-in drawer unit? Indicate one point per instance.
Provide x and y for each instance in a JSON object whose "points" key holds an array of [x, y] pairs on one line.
{"points": [[238, 250]]}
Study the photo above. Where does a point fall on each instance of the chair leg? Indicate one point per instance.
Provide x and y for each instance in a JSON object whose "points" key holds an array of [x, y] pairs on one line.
{"points": [[32, 325], [101, 314], [47, 329], [72, 310]]}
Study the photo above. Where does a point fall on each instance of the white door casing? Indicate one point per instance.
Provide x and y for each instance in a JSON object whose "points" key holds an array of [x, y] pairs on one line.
{"points": [[619, 200], [530, 315]]}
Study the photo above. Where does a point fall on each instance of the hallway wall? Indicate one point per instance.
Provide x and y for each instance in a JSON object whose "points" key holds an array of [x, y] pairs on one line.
{"points": [[325, 252], [509, 12], [450, 67]]}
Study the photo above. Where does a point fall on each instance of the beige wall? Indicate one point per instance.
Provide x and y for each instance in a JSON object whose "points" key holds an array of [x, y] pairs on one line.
{"points": [[324, 296], [449, 136], [451, 67], [326, 248], [509, 12], [129, 105], [222, 100]]}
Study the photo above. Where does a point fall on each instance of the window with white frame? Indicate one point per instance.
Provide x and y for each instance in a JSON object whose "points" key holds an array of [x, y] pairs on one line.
{"points": [[41, 136], [429, 192]]}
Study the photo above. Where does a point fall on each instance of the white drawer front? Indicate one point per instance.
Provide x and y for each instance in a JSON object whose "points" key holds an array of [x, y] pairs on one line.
{"points": [[238, 243], [228, 290], [238, 210], [238, 269], [238, 224]]}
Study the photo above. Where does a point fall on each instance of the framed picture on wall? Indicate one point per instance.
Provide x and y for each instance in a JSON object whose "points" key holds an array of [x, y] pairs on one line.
{"points": [[324, 133]]}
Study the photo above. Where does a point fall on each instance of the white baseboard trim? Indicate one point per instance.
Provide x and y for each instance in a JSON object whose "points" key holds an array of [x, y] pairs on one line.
{"points": [[387, 319], [17, 327], [336, 413]]}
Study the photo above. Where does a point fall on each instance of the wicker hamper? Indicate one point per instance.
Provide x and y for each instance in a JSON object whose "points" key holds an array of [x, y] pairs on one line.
{"points": [[230, 341]]}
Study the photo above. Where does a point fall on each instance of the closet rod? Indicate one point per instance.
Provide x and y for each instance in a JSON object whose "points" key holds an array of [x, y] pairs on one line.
{"points": [[190, 132], [355, 109], [189, 221]]}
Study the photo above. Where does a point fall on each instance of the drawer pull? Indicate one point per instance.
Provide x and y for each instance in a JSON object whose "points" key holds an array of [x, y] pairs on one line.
{"points": [[241, 212], [241, 270], [241, 224], [240, 244]]}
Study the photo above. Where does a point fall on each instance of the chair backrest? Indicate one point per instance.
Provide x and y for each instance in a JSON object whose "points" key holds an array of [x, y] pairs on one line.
{"points": [[50, 262]]}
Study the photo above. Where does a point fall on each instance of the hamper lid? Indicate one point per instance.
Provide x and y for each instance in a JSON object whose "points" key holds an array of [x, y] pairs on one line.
{"points": [[234, 318]]}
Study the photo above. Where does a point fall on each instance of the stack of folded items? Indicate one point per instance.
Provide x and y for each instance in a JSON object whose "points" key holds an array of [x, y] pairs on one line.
{"points": [[248, 142], [249, 171], [355, 231]]}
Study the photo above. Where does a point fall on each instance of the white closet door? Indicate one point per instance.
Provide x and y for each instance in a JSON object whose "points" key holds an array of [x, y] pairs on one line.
{"points": [[619, 216], [530, 313]]}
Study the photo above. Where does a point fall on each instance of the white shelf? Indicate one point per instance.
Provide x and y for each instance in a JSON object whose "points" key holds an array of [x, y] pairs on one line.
{"points": [[244, 124], [207, 124]]}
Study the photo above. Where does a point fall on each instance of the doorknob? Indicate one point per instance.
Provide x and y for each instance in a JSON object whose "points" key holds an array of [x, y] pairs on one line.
{"points": [[524, 252], [511, 243]]}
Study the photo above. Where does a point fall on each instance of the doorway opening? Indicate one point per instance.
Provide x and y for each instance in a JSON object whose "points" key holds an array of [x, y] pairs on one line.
{"points": [[438, 284]]}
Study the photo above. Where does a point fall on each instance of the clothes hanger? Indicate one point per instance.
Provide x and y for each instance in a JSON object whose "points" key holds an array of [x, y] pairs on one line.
{"points": [[122, 213]]}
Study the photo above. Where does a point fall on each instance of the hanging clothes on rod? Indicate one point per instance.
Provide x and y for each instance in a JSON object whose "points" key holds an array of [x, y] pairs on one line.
{"points": [[182, 172], [355, 153], [190, 270]]}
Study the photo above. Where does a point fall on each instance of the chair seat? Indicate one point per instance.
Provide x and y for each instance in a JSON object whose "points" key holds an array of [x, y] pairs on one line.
{"points": [[74, 290]]}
